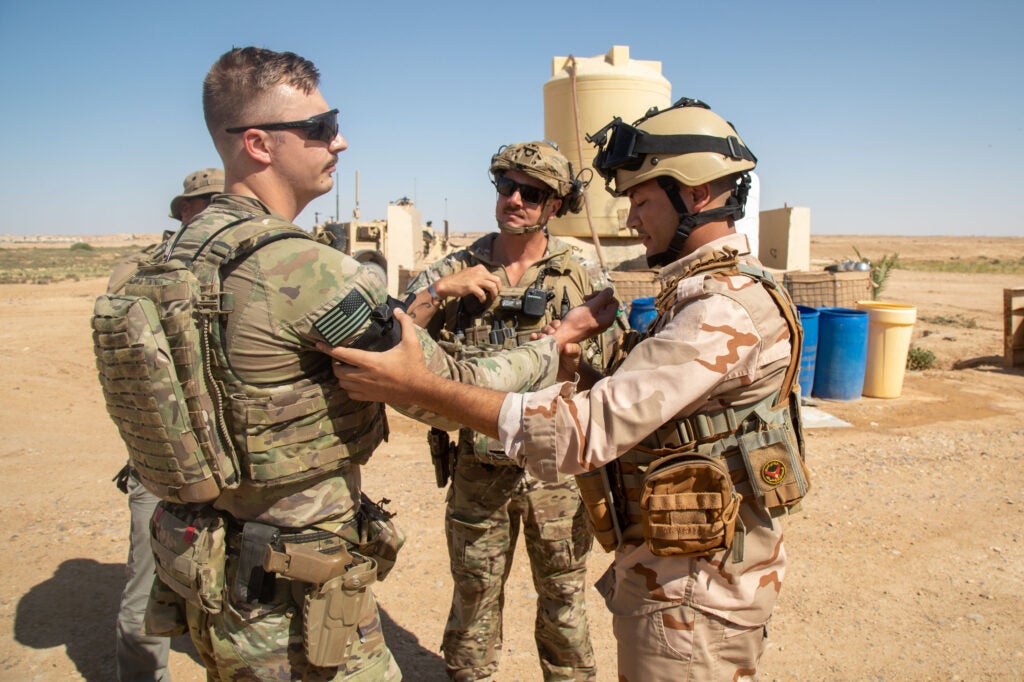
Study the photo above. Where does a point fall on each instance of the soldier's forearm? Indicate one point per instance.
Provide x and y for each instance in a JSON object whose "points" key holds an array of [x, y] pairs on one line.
{"points": [[472, 406], [423, 307]]}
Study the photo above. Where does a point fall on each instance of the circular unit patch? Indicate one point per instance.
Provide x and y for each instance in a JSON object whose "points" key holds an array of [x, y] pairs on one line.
{"points": [[773, 472]]}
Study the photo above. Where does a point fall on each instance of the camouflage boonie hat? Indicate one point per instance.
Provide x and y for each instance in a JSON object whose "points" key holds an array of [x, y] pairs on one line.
{"points": [[542, 161], [197, 184]]}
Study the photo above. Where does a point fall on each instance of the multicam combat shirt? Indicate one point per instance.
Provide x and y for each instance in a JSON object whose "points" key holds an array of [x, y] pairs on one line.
{"points": [[279, 292]]}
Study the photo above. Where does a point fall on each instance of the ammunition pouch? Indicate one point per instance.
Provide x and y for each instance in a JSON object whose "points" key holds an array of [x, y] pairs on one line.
{"points": [[332, 611], [442, 454], [190, 551], [605, 520], [775, 467], [688, 506]]}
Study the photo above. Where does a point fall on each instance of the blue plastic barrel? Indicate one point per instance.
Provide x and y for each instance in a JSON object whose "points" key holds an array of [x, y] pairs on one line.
{"points": [[642, 313], [842, 353], [809, 352]]}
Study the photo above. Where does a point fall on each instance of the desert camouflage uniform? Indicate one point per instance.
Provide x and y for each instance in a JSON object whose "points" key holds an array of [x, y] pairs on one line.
{"points": [[490, 499], [279, 292], [674, 617]]}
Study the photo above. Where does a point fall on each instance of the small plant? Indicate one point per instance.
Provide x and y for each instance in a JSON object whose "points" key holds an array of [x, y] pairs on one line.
{"points": [[919, 358], [957, 320], [81, 246], [880, 271]]}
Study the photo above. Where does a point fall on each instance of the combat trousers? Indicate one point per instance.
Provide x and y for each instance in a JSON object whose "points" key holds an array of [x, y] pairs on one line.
{"points": [[487, 505], [681, 644], [139, 658]]}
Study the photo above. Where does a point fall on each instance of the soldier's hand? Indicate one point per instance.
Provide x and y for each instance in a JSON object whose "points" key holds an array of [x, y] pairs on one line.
{"points": [[591, 318], [475, 280], [546, 330], [392, 376], [569, 361]]}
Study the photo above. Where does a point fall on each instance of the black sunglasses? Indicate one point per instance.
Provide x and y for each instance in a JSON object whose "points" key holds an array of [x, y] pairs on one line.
{"points": [[322, 127], [528, 193]]}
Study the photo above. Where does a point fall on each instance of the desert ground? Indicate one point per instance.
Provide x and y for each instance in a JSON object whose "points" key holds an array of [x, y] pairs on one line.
{"points": [[907, 562]]}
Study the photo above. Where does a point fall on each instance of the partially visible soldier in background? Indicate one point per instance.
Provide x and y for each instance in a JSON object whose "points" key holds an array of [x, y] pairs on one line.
{"points": [[485, 298], [141, 658]]}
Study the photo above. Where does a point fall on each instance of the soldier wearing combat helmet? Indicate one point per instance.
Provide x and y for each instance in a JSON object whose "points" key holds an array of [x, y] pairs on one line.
{"points": [[690, 448], [485, 299]]}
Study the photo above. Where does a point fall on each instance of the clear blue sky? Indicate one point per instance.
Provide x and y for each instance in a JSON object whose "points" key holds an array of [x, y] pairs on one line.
{"points": [[900, 118]]}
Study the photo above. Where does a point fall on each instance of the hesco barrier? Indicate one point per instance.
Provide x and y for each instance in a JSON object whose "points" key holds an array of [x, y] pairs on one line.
{"points": [[828, 289]]}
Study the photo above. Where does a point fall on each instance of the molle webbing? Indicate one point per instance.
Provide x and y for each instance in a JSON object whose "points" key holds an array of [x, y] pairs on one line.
{"points": [[726, 262], [156, 346], [728, 435], [708, 434], [501, 335]]}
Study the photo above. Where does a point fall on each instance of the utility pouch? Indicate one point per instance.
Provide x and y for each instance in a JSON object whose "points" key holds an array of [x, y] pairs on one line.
{"points": [[190, 551], [331, 612], [688, 506], [165, 612], [381, 537], [252, 582], [442, 454], [596, 493], [775, 468]]}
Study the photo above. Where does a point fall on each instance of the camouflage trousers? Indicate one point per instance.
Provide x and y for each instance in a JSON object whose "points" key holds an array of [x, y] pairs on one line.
{"points": [[263, 641], [682, 644], [487, 505]]}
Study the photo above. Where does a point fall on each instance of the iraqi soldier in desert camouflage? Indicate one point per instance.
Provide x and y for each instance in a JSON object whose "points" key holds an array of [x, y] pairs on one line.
{"points": [[701, 411], [286, 553], [486, 298]]}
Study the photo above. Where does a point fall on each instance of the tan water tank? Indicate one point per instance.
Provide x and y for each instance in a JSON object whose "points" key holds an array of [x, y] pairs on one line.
{"points": [[606, 86]]}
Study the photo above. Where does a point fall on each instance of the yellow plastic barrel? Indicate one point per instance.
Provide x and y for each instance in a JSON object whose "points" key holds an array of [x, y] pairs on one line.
{"points": [[890, 327], [582, 96]]}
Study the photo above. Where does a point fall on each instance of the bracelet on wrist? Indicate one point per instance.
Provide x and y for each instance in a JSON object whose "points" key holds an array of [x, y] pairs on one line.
{"points": [[433, 294]]}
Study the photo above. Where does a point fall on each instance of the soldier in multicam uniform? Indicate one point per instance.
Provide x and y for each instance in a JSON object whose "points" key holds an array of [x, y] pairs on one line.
{"points": [[705, 398], [141, 657], [485, 298], [300, 551]]}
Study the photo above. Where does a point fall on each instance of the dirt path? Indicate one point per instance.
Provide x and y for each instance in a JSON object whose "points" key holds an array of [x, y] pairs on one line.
{"points": [[907, 563]]}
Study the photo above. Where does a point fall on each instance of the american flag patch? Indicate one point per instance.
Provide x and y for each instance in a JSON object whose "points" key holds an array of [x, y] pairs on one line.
{"points": [[343, 320]]}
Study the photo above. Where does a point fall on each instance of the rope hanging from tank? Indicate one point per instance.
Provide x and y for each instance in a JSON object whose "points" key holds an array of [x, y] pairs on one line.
{"points": [[579, 149]]}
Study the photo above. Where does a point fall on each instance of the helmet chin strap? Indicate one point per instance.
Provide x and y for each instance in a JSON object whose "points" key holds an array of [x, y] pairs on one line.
{"points": [[527, 229], [688, 222]]}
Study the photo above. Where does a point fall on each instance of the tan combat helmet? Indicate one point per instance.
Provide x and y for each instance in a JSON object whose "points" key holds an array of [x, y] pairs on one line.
{"points": [[542, 161], [197, 184], [685, 144]]}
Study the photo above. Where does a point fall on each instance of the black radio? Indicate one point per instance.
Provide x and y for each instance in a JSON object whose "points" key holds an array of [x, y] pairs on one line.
{"points": [[532, 302]]}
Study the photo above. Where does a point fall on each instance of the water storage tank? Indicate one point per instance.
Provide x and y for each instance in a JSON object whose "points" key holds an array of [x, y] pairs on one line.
{"points": [[602, 87]]}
